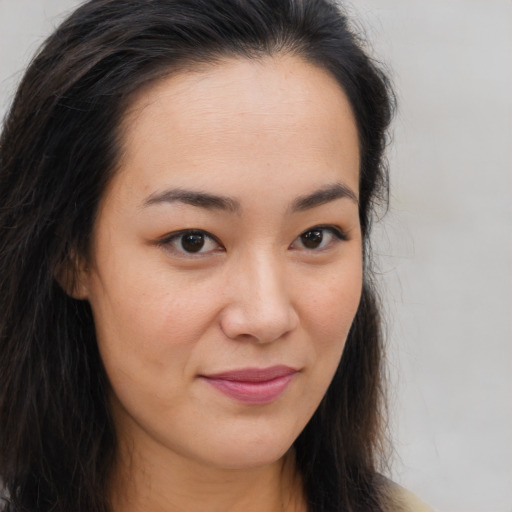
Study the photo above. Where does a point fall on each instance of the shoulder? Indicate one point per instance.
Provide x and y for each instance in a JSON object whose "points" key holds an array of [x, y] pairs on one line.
{"points": [[406, 501]]}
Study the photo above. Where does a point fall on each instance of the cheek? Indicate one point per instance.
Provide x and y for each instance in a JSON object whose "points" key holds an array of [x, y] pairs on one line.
{"points": [[331, 308], [327, 313], [150, 334], [147, 321], [328, 316]]}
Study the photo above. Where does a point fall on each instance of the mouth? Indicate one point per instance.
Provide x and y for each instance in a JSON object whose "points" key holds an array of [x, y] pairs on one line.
{"points": [[253, 386]]}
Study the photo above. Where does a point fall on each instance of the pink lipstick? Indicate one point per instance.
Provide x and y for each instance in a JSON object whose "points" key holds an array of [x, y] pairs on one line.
{"points": [[254, 386]]}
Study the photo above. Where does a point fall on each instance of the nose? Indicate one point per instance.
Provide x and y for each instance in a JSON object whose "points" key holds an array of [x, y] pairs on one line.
{"points": [[259, 306]]}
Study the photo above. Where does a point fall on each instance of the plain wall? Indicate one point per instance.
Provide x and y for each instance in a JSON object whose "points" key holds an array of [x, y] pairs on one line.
{"points": [[445, 247]]}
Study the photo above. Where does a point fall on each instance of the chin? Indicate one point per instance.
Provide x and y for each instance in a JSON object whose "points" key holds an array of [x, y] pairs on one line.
{"points": [[248, 455]]}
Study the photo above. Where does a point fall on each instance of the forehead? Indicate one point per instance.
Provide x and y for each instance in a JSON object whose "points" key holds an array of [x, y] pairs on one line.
{"points": [[240, 115]]}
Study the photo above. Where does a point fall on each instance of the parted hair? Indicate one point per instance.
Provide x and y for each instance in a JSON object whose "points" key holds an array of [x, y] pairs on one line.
{"points": [[60, 146]]}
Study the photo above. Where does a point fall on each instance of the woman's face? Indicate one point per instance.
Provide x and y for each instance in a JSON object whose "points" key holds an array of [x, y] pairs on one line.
{"points": [[226, 262]]}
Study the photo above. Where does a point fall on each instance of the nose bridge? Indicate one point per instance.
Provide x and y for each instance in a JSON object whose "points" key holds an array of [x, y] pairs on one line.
{"points": [[260, 305], [267, 278]]}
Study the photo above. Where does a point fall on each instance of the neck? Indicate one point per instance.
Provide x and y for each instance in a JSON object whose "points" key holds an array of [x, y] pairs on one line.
{"points": [[174, 484]]}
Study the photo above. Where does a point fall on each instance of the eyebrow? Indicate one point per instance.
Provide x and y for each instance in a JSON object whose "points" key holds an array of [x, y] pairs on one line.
{"points": [[323, 196], [217, 202], [194, 198]]}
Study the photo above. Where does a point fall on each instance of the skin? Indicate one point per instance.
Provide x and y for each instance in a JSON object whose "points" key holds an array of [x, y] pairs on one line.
{"points": [[264, 134]]}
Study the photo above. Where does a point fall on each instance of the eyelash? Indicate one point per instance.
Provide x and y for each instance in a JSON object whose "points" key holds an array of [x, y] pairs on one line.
{"points": [[178, 238], [337, 233]]}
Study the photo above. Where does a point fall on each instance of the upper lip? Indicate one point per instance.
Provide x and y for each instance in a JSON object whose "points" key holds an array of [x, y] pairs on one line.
{"points": [[253, 374]]}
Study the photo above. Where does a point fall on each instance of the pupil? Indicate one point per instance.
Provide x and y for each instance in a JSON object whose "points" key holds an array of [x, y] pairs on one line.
{"points": [[312, 239], [193, 242]]}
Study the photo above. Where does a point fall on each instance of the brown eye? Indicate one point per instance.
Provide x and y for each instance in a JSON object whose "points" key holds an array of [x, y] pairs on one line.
{"points": [[192, 242], [318, 238], [312, 239]]}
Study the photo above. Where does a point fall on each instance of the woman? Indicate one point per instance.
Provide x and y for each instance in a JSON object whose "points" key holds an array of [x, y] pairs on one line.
{"points": [[189, 320]]}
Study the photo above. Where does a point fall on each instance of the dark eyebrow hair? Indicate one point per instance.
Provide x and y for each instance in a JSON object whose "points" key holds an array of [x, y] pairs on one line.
{"points": [[194, 198], [322, 196], [216, 202]]}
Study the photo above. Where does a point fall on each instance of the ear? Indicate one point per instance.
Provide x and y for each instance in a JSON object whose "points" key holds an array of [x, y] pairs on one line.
{"points": [[73, 276]]}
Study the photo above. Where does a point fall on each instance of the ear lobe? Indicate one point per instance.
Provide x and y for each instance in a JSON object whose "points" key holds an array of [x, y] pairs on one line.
{"points": [[72, 276]]}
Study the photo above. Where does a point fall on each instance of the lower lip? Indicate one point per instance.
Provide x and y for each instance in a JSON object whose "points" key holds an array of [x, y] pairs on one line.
{"points": [[253, 393]]}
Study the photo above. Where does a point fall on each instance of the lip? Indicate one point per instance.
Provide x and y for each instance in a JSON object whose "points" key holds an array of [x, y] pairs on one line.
{"points": [[254, 386]]}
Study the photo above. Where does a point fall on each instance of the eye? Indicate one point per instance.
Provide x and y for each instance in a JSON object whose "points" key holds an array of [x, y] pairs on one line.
{"points": [[318, 238], [191, 241]]}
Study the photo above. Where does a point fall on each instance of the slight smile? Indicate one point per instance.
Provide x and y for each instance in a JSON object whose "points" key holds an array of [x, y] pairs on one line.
{"points": [[253, 386]]}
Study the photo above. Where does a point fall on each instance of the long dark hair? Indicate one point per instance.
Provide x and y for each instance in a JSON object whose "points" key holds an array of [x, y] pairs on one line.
{"points": [[59, 148]]}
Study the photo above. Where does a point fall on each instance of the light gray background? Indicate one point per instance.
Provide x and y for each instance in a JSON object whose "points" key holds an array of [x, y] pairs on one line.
{"points": [[445, 247]]}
